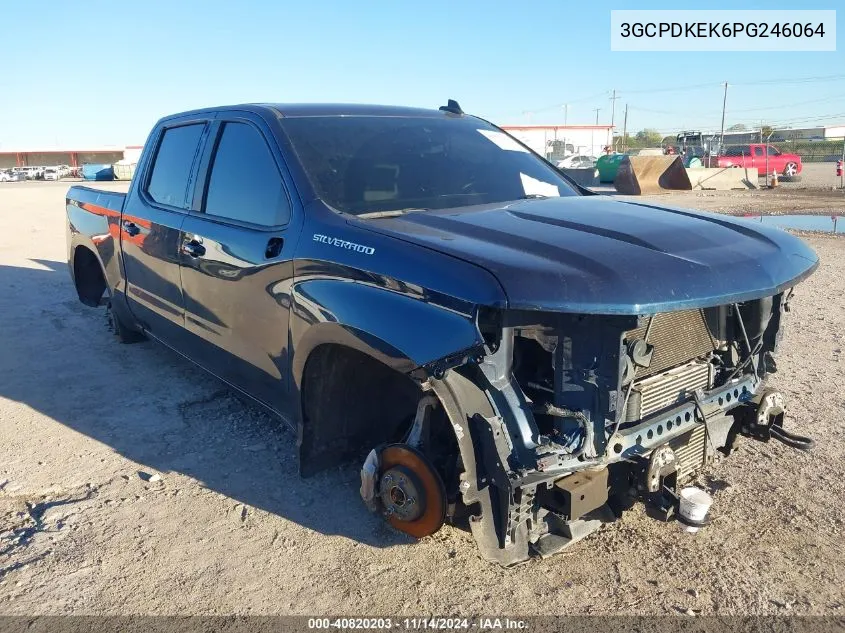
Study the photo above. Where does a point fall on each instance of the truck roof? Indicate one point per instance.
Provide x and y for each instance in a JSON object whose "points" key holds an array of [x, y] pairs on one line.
{"points": [[291, 110]]}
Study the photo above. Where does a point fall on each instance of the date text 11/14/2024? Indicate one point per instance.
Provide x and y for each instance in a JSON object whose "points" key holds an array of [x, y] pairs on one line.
{"points": [[419, 623]]}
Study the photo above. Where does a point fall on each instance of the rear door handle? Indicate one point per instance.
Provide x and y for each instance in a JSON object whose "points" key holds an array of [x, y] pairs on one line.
{"points": [[130, 228], [193, 248]]}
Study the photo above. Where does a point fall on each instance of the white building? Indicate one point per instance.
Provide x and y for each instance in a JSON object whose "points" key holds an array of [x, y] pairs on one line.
{"points": [[834, 131], [550, 140]]}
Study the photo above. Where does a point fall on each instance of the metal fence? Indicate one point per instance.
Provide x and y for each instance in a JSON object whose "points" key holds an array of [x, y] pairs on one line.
{"points": [[826, 151], [811, 150]]}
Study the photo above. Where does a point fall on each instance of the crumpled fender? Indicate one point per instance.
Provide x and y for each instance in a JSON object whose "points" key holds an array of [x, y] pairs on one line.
{"points": [[402, 331]]}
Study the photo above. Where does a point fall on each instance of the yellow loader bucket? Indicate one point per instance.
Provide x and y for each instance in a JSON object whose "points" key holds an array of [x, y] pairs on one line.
{"points": [[642, 175]]}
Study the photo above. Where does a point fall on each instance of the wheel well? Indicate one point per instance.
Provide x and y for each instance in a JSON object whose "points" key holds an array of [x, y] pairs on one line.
{"points": [[351, 403], [88, 276]]}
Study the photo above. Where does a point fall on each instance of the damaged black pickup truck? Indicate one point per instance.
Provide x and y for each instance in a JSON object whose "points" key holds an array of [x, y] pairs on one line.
{"points": [[416, 291]]}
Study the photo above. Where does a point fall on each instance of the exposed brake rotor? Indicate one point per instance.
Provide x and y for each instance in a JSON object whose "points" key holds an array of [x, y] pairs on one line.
{"points": [[411, 491]]}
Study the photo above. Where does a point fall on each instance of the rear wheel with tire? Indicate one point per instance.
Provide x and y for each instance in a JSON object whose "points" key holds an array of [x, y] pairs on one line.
{"points": [[790, 172]]}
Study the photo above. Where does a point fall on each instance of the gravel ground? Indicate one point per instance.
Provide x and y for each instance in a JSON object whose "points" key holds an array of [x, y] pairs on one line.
{"points": [[133, 483], [815, 176], [818, 192], [779, 201]]}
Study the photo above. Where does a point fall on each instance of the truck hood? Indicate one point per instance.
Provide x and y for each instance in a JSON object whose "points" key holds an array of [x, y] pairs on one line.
{"points": [[597, 255]]}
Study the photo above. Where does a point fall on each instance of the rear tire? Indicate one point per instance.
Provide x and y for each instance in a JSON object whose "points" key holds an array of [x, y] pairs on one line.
{"points": [[122, 332]]}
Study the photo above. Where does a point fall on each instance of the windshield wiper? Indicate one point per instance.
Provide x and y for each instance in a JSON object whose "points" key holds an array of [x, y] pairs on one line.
{"points": [[533, 196], [373, 215]]}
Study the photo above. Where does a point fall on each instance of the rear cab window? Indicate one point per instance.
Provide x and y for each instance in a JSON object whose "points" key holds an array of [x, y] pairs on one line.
{"points": [[245, 183], [173, 163]]}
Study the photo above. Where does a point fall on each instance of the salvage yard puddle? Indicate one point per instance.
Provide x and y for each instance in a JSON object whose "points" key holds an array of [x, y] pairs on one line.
{"points": [[824, 223]]}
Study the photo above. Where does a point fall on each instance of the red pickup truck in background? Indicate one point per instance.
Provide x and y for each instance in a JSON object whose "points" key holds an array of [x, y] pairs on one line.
{"points": [[754, 156]]}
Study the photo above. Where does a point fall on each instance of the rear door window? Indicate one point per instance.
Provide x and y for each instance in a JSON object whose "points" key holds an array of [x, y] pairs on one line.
{"points": [[173, 164], [758, 151], [245, 182]]}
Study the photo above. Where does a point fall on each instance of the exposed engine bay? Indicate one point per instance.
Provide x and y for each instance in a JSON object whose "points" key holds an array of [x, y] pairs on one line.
{"points": [[564, 420]]}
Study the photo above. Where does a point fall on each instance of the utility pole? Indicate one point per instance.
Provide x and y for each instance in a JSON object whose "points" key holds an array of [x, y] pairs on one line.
{"points": [[565, 117], [625, 130], [593, 133], [613, 99], [841, 184], [724, 103]]}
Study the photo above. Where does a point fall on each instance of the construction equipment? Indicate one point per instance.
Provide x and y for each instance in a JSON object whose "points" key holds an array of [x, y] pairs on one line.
{"points": [[643, 175]]}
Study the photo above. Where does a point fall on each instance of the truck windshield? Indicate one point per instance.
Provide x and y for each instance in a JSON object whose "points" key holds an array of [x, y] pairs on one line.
{"points": [[371, 164]]}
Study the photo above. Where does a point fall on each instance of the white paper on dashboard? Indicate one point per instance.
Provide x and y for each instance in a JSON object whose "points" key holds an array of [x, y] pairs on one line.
{"points": [[502, 140], [534, 187]]}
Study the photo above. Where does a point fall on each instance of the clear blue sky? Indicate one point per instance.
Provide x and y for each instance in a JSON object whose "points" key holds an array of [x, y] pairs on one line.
{"points": [[90, 72]]}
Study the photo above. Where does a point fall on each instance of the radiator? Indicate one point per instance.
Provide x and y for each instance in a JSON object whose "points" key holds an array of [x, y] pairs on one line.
{"points": [[678, 337], [672, 387]]}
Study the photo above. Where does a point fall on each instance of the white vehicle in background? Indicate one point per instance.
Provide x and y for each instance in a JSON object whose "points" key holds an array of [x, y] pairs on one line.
{"points": [[577, 161], [51, 173]]}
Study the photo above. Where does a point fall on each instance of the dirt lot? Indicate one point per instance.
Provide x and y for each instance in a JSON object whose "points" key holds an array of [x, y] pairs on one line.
{"points": [[817, 192], [230, 528], [815, 176]]}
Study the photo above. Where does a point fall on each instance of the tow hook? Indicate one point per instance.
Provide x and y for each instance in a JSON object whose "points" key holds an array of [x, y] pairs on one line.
{"points": [[767, 423]]}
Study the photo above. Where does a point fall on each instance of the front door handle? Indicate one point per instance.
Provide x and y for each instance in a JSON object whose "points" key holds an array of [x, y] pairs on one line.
{"points": [[193, 248], [130, 228]]}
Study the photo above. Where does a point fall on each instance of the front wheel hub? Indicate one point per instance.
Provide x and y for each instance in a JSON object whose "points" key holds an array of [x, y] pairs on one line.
{"points": [[401, 494], [411, 492]]}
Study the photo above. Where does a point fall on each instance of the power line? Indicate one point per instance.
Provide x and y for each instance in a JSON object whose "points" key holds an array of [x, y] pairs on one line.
{"points": [[713, 127], [672, 89], [760, 82], [820, 117], [790, 105], [796, 80], [557, 106], [730, 115]]}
